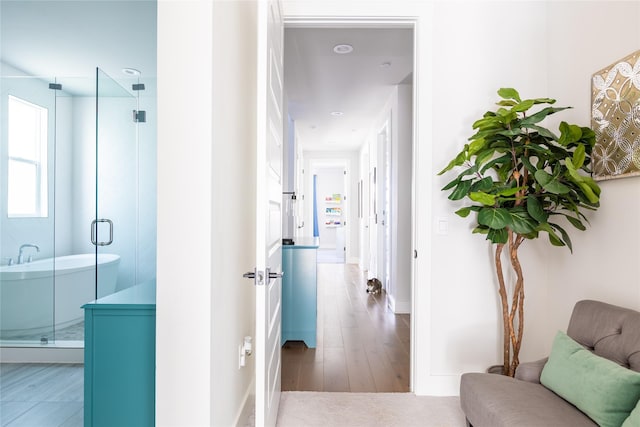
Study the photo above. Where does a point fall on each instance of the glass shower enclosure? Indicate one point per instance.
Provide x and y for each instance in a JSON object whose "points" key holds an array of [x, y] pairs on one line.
{"points": [[77, 209]]}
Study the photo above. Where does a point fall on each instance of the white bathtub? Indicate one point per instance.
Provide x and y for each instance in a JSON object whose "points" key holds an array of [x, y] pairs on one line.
{"points": [[32, 301]]}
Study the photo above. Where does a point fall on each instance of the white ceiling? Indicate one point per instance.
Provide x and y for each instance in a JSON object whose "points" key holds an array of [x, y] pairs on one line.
{"points": [[65, 39], [71, 38], [318, 81]]}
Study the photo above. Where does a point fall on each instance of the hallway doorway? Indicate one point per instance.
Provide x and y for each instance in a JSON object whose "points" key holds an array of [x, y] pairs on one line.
{"points": [[332, 210], [356, 107]]}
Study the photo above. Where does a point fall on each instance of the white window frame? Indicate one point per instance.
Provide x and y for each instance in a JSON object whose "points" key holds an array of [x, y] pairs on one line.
{"points": [[40, 161]]}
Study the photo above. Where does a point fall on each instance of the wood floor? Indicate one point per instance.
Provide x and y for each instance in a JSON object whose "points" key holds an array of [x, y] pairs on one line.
{"points": [[43, 395], [362, 346]]}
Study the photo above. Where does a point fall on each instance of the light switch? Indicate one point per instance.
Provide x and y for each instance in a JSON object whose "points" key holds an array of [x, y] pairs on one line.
{"points": [[442, 227]]}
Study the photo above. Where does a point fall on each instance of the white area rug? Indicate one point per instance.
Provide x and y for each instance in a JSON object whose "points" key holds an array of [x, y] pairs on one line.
{"points": [[301, 409]]}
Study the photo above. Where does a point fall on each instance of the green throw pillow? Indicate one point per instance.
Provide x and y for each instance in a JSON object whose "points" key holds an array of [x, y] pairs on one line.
{"points": [[634, 418], [602, 389]]}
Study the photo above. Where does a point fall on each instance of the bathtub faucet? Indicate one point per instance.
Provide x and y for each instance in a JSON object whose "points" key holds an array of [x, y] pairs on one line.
{"points": [[22, 248]]}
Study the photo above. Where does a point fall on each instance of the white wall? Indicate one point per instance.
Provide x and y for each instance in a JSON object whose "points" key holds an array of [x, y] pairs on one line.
{"points": [[456, 78], [459, 70], [206, 210], [401, 158], [604, 264]]}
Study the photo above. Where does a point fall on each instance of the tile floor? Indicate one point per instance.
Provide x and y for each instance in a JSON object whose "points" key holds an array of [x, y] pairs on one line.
{"points": [[41, 395]]}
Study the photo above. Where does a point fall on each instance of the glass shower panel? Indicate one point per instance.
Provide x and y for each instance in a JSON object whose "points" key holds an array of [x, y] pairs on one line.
{"points": [[114, 230], [27, 214]]}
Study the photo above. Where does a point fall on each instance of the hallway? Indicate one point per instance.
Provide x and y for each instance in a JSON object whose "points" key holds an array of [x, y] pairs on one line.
{"points": [[362, 346]]}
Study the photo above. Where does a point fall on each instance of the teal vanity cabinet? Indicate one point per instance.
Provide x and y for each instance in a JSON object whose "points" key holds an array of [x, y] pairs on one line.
{"points": [[300, 292], [120, 359]]}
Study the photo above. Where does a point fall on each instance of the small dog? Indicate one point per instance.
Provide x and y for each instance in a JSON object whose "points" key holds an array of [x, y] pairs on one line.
{"points": [[374, 286]]}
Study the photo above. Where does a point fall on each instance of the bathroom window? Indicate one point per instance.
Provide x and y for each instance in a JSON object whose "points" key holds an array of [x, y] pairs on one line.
{"points": [[27, 160]]}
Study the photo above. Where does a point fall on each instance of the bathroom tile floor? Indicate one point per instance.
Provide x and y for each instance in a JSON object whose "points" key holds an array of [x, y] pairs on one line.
{"points": [[42, 395]]}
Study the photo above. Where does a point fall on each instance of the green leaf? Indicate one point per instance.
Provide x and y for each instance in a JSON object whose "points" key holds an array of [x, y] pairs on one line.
{"points": [[483, 156], [487, 122], [553, 238], [498, 236], [565, 236], [523, 106], [544, 101], [509, 93], [480, 230], [578, 156], [535, 209], [506, 103], [461, 190], [463, 212], [504, 172], [458, 161], [543, 131], [476, 146], [527, 164], [482, 197], [581, 181], [576, 223], [540, 116], [508, 192], [485, 184], [451, 184], [569, 134], [521, 223], [497, 160], [551, 183], [494, 218]]}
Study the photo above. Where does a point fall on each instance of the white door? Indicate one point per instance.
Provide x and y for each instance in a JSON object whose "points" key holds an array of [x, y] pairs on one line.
{"points": [[269, 211]]}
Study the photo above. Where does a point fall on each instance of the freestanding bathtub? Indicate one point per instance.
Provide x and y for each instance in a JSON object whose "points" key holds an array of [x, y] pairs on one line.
{"points": [[35, 296]]}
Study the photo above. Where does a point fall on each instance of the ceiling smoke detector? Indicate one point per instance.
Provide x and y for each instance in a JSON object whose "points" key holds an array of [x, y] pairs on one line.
{"points": [[342, 49], [337, 113]]}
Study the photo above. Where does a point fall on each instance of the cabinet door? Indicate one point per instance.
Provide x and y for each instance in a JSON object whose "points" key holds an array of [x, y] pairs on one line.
{"points": [[120, 368]]}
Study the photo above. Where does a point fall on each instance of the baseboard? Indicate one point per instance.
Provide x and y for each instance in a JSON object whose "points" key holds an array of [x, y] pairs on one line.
{"points": [[402, 307], [49, 354], [439, 385], [246, 417]]}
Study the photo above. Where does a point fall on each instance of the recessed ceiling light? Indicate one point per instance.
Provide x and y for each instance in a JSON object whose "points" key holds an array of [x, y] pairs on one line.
{"points": [[131, 72], [385, 64], [337, 113], [343, 48]]}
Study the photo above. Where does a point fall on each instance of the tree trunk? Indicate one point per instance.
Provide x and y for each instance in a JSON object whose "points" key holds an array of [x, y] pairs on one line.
{"points": [[512, 315]]}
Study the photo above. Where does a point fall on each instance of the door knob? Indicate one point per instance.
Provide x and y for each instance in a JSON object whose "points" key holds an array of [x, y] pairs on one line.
{"points": [[256, 275]]}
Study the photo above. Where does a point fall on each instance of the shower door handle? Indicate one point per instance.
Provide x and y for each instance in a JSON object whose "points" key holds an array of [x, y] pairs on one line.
{"points": [[94, 232]]}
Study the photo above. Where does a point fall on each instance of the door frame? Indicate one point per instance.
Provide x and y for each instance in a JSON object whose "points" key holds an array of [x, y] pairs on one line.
{"points": [[312, 21], [315, 163]]}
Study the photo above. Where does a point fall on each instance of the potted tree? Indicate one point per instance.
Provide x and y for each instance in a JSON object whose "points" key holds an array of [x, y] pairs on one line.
{"points": [[519, 178]]}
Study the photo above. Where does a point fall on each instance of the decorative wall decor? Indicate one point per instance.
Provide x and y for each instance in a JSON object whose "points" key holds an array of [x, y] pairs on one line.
{"points": [[615, 118]]}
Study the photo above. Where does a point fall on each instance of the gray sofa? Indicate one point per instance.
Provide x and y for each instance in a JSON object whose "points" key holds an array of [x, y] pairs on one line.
{"points": [[493, 400]]}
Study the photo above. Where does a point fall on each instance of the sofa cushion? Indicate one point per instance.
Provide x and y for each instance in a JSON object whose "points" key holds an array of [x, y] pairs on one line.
{"points": [[600, 388], [609, 331], [633, 420], [493, 400]]}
